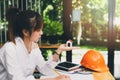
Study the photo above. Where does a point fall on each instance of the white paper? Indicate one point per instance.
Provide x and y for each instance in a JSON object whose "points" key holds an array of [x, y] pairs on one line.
{"points": [[74, 76]]}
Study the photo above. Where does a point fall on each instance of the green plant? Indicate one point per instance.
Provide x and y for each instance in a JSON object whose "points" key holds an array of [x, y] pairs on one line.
{"points": [[52, 27]]}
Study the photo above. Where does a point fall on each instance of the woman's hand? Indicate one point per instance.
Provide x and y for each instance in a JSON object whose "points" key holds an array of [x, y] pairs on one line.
{"points": [[62, 77], [63, 47]]}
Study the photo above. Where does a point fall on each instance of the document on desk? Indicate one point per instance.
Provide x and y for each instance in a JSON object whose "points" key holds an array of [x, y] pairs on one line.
{"points": [[74, 76], [81, 76]]}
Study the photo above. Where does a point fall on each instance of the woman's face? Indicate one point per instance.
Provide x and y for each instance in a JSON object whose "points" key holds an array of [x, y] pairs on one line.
{"points": [[36, 35]]}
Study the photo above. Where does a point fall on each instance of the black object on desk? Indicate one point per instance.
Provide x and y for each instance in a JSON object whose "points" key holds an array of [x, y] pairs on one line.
{"points": [[67, 66]]}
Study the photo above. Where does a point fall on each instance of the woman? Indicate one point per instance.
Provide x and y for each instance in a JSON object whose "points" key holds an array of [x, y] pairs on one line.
{"points": [[21, 55]]}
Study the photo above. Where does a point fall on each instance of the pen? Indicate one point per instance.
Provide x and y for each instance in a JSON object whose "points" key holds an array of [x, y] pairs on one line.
{"points": [[58, 73]]}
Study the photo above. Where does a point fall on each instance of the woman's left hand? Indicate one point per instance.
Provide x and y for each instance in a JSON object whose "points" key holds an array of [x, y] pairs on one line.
{"points": [[63, 47]]}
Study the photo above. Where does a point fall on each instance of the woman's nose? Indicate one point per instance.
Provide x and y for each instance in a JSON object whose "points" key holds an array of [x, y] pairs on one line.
{"points": [[41, 32]]}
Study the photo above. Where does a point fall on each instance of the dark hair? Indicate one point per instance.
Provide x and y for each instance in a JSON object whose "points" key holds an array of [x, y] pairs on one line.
{"points": [[11, 15], [28, 20]]}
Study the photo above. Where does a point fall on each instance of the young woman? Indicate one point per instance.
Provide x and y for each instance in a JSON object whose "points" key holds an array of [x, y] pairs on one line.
{"points": [[20, 55]]}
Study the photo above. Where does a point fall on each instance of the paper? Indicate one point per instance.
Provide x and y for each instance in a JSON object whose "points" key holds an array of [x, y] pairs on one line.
{"points": [[74, 76]]}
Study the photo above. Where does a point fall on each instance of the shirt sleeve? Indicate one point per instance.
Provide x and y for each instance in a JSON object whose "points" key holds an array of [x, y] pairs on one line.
{"points": [[11, 64], [45, 67]]}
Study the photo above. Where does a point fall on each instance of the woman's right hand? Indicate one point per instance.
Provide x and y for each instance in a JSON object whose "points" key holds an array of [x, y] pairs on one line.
{"points": [[62, 77]]}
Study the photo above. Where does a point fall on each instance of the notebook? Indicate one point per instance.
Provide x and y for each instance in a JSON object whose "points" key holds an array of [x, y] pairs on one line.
{"points": [[67, 66]]}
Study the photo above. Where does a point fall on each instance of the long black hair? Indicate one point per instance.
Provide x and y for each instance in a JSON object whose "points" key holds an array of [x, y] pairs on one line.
{"points": [[11, 15], [19, 20]]}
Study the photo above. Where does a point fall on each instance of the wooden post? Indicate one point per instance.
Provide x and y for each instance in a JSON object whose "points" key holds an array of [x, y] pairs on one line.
{"points": [[67, 11], [111, 35]]}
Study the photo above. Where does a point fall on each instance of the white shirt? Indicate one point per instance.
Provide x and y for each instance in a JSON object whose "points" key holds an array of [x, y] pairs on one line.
{"points": [[17, 64]]}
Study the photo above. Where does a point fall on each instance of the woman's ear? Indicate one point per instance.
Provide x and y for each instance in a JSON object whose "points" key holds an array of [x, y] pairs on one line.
{"points": [[25, 32]]}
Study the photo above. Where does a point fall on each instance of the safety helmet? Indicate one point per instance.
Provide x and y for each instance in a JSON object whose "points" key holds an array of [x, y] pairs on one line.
{"points": [[94, 60]]}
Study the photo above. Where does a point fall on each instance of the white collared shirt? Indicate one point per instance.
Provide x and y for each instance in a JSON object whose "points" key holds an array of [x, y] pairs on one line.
{"points": [[17, 64]]}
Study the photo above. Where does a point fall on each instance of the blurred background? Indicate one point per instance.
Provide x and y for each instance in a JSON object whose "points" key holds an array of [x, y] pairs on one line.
{"points": [[91, 24]]}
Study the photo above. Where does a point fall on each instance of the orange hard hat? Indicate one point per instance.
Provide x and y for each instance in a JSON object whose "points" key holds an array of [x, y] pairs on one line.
{"points": [[94, 60]]}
